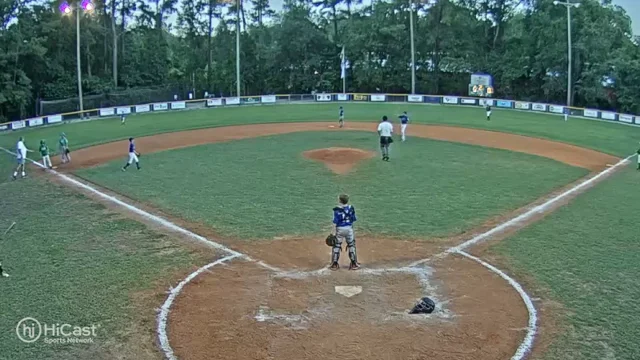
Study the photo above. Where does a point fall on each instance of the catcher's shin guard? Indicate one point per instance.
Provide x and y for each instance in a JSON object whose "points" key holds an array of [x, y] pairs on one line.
{"points": [[352, 252], [335, 253]]}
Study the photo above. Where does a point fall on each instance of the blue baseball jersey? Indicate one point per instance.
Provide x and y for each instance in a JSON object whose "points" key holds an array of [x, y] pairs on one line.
{"points": [[132, 147], [344, 216], [341, 112], [404, 119]]}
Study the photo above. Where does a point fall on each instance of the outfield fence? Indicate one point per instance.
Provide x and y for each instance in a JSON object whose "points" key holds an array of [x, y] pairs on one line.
{"points": [[320, 98]]}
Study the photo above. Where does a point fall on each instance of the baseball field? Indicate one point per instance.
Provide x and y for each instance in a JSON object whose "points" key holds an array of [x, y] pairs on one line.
{"points": [[522, 229]]}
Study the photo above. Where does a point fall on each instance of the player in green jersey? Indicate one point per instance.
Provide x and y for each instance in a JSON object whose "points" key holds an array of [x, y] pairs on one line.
{"points": [[44, 151]]}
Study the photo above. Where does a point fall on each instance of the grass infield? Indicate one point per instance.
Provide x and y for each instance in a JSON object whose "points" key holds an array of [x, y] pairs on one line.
{"points": [[264, 187]]}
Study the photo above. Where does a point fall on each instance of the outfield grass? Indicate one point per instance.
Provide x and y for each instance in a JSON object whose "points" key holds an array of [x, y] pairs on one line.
{"points": [[606, 137], [73, 261], [264, 187], [587, 255]]}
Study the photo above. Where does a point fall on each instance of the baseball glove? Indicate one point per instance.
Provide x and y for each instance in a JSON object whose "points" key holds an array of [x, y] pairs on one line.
{"points": [[139, 155], [66, 151], [331, 240]]}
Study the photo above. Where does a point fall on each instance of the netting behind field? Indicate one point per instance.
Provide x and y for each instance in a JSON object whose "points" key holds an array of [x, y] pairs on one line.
{"points": [[120, 98]]}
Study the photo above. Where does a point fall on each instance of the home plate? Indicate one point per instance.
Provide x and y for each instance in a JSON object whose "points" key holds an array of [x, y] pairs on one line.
{"points": [[348, 291]]}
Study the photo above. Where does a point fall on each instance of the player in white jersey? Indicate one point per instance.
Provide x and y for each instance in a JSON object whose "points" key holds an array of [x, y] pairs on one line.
{"points": [[21, 158], [385, 130]]}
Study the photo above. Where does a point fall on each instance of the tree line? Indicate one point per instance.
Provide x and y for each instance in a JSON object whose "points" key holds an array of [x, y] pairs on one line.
{"points": [[130, 45]]}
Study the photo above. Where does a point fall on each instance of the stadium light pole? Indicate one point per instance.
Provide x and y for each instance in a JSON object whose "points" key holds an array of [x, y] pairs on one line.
{"points": [[67, 9], [568, 5], [238, 47], [413, 50]]}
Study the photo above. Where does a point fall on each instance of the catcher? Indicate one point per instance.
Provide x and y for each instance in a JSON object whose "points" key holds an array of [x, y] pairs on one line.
{"points": [[344, 216]]}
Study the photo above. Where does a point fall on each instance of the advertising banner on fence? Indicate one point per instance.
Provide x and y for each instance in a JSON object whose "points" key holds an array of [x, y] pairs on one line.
{"points": [[123, 110], [522, 105], [591, 113], [18, 125], [626, 118], [107, 112], [468, 101], [54, 119], [323, 97], [160, 106], [143, 108], [4, 127], [268, 99], [360, 97], [556, 109], [251, 100], [432, 99], [539, 107], [35, 121], [414, 98], [450, 100], [214, 102], [232, 101], [375, 97], [178, 105], [608, 115], [485, 102], [504, 104], [343, 97]]}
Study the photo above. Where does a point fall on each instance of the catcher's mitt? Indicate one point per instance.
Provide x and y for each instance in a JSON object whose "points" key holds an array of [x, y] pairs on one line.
{"points": [[331, 240]]}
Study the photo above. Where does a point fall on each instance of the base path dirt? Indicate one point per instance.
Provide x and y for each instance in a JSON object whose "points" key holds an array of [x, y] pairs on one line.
{"points": [[242, 311], [568, 154]]}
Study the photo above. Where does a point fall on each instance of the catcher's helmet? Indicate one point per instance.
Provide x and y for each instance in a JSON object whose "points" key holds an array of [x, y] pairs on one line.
{"points": [[424, 306]]}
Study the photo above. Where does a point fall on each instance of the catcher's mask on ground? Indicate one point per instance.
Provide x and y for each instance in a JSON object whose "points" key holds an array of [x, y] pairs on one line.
{"points": [[424, 306]]}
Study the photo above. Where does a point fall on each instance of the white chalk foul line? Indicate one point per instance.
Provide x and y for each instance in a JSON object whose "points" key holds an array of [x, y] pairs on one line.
{"points": [[163, 313], [157, 219], [528, 214], [526, 345], [522, 350]]}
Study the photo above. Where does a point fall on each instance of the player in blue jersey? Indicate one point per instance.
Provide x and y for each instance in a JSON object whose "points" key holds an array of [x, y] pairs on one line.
{"points": [[344, 215], [341, 117], [404, 121], [133, 156], [488, 109]]}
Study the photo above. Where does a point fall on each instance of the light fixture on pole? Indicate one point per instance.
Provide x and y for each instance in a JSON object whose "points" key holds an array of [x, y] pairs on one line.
{"points": [[568, 5], [67, 9]]}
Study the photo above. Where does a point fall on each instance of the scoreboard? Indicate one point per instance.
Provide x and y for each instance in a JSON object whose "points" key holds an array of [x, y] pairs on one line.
{"points": [[480, 90], [481, 85]]}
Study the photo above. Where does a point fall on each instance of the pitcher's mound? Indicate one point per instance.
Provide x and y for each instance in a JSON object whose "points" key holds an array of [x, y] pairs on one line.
{"points": [[339, 160]]}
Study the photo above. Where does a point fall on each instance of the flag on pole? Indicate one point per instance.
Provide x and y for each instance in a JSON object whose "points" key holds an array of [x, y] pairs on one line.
{"points": [[343, 64]]}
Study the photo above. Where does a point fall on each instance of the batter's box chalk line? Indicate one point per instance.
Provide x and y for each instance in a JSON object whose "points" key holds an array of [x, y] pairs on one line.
{"points": [[522, 351]]}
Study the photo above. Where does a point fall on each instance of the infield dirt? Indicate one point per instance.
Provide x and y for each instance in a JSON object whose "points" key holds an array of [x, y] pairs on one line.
{"points": [[241, 311]]}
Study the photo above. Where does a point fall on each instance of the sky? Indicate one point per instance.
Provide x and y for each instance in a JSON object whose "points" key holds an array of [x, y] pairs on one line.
{"points": [[632, 8]]}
